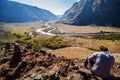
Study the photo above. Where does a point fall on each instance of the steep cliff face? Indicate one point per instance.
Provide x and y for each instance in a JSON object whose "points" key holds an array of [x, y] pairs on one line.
{"points": [[99, 12], [17, 12]]}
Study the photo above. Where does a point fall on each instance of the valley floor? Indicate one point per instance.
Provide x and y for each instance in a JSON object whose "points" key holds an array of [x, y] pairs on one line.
{"points": [[63, 28]]}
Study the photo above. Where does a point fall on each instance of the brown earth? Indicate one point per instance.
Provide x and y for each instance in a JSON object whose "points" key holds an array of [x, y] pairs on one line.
{"points": [[25, 63]]}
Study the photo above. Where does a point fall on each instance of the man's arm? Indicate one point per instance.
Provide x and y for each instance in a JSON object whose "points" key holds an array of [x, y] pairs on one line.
{"points": [[90, 60], [93, 56]]}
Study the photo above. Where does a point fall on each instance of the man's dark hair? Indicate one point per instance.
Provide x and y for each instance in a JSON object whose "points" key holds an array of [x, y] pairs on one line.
{"points": [[103, 48]]}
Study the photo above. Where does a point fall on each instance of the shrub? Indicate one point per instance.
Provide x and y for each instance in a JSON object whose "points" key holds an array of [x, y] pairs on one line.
{"points": [[52, 43], [110, 36]]}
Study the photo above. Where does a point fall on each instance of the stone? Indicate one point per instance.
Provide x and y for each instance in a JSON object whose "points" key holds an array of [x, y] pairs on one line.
{"points": [[10, 76], [39, 77], [4, 70], [28, 47], [25, 50], [74, 67], [33, 75], [4, 60], [37, 55], [24, 63], [118, 66], [7, 46], [43, 52], [26, 78], [77, 77], [17, 52], [45, 76], [53, 75]]}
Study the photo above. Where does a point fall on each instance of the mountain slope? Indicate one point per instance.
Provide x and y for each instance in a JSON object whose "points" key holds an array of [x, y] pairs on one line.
{"points": [[17, 12], [99, 12]]}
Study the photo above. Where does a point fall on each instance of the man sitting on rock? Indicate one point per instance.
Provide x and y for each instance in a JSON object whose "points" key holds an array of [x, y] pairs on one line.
{"points": [[100, 63]]}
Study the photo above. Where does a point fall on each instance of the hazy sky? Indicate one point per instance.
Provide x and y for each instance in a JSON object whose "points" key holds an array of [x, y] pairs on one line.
{"points": [[58, 7]]}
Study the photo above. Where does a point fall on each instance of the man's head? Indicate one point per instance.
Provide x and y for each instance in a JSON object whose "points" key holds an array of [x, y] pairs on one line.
{"points": [[103, 48]]}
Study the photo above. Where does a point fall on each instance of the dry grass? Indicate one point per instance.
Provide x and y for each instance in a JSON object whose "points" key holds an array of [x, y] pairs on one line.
{"points": [[78, 52], [21, 27], [84, 29], [84, 47], [72, 52], [114, 46]]}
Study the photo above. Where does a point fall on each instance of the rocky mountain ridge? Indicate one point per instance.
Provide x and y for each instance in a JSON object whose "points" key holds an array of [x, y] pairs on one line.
{"points": [[14, 12], [98, 12]]}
